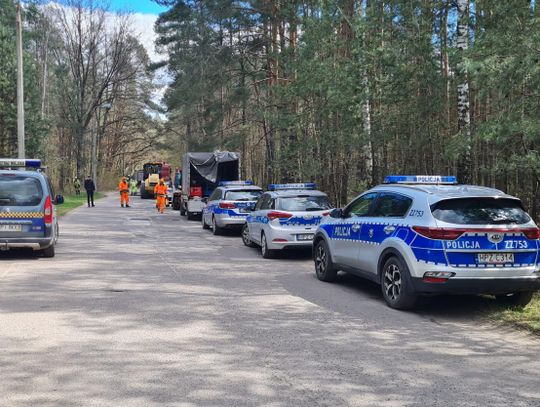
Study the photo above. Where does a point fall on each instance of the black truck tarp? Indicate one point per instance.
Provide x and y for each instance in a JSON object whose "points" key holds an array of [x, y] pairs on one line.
{"points": [[208, 169]]}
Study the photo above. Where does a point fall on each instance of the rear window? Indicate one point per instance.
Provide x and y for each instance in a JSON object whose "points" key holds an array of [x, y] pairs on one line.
{"points": [[480, 211], [304, 203], [246, 195], [18, 190]]}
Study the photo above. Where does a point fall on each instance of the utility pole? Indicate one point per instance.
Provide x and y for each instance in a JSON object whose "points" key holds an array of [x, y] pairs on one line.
{"points": [[20, 86]]}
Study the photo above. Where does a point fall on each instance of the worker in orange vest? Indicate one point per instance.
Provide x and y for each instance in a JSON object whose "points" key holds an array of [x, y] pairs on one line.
{"points": [[123, 187], [160, 191]]}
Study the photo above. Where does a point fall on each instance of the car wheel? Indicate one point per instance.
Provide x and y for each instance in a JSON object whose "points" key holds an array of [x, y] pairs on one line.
{"points": [[245, 236], [519, 299], [265, 251], [48, 252], [216, 230], [182, 210], [324, 268], [395, 284], [204, 225]]}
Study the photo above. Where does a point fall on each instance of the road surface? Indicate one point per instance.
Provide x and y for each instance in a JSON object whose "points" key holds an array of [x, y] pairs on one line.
{"points": [[141, 309]]}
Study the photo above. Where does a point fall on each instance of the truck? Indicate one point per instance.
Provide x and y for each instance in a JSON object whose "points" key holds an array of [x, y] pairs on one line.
{"points": [[152, 172], [201, 174]]}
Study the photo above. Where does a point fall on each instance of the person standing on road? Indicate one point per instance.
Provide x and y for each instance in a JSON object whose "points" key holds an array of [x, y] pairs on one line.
{"points": [[77, 186], [123, 187], [90, 189], [133, 187], [160, 191]]}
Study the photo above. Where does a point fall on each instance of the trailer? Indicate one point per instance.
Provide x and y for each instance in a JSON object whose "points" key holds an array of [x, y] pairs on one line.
{"points": [[201, 174]]}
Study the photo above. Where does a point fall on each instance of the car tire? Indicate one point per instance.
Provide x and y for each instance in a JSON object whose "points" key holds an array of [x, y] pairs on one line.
{"points": [[216, 230], [265, 251], [324, 268], [395, 284], [245, 236], [204, 225], [48, 252], [518, 300], [182, 210]]}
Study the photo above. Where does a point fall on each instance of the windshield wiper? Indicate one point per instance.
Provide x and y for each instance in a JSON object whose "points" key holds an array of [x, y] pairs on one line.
{"points": [[314, 209]]}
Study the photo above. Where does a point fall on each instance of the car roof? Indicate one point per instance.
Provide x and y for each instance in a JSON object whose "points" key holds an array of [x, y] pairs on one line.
{"points": [[439, 192], [295, 192], [32, 174], [242, 188]]}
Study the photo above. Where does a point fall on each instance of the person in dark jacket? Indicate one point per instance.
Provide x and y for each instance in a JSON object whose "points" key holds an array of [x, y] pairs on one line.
{"points": [[90, 188]]}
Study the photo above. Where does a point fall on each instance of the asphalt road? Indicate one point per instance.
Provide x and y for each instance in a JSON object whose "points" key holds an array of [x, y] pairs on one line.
{"points": [[141, 309]]}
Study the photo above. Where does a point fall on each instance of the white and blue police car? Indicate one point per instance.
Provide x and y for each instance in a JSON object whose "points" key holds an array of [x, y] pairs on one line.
{"points": [[285, 217], [424, 235], [27, 207], [229, 205]]}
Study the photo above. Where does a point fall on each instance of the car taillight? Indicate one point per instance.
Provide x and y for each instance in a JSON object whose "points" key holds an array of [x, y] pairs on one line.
{"points": [[227, 205], [326, 214], [48, 211], [279, 215], [439, 233], [531, 233]]}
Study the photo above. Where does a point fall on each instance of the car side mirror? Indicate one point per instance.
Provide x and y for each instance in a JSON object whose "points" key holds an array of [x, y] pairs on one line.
{"points": [[59, 200], [336, 213]]}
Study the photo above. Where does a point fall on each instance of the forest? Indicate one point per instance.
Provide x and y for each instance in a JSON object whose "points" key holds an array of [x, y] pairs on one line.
{"points": [[344, 92], [339, 92]]}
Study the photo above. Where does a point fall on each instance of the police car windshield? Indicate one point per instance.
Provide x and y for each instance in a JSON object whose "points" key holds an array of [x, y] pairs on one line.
{"points": [[480, 211], [303, 203], [19, 190], [242, 195]]}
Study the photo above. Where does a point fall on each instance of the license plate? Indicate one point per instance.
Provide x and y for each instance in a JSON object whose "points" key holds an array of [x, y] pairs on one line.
{"points": [[10, 228], [308, 236], [495, 258]]}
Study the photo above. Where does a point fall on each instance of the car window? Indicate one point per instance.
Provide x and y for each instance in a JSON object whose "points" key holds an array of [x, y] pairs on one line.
{"points": [[391, 205], [19, 190], [215, 195], [244, 195], [480, 211], [361, 206], [265, 204], [259, 202], [304, 203]]}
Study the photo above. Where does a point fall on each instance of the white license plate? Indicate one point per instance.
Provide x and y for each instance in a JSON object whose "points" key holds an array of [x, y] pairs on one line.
{"points": [[305, 237], [495, 258], [10, 228]]}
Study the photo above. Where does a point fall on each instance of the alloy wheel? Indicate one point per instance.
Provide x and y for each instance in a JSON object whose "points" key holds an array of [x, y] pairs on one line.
{"points": [[392, 282], [320, 260]]}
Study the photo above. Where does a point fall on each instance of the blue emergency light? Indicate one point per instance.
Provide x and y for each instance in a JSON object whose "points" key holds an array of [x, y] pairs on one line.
{"points": [[421, 179], [235, 183], [19, 163], [278, 187]]}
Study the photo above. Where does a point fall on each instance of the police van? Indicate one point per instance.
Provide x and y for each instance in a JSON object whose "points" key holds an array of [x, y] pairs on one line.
{"points": [[229, 205], [27, 207], [285, 217], [417, 235]]}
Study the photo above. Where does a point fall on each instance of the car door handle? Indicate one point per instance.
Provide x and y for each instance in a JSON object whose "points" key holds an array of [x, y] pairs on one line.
{"points": [[389, 229]]}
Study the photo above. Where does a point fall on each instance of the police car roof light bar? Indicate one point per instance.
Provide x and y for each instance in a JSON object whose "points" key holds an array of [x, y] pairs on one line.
{"points": [[235, 183], [302, 186], [421, 179], [19, 163]]}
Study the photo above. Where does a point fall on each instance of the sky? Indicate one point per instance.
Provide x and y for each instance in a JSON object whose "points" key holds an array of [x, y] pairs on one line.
{"points": [[138, 6]]}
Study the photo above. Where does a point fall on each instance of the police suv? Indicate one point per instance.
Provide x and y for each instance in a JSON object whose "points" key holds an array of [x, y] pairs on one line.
{"points": [[418, 235], [229, 205], [27, 207], [285, 217]]}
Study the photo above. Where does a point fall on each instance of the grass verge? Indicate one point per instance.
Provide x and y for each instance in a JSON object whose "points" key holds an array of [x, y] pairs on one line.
{"points": [[527, 318], [74, 201]]}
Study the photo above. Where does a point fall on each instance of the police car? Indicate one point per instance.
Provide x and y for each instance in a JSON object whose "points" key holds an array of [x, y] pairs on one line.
{"points": [[27, 207], [418, 235], [285, 217], [229, 205]]}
